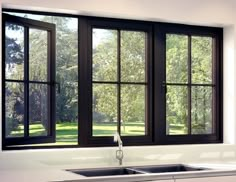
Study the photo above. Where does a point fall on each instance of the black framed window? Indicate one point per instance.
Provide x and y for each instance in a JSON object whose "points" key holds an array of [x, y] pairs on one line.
{"points": [[119, 80], [28, 86], [190, 59], [65, 68], [153, 83]]}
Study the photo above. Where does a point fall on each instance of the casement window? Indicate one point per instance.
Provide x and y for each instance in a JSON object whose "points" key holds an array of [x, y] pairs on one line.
{"points": [[75, 81], [27, 82], [40, 80], [190, 86], [118, 78]]}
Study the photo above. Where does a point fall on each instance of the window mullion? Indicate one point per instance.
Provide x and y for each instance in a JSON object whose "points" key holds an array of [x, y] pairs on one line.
{"points": [[26, 84], [189, 85], [119, 80]]}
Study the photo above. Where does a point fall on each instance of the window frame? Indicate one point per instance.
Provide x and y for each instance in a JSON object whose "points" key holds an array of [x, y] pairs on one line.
{"points": [[113, 24], [50, 82], [156, 76], [161, 30]]}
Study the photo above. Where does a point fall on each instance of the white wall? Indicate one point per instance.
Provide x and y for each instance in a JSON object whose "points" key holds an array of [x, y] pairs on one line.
{"points": [[201, 12]]}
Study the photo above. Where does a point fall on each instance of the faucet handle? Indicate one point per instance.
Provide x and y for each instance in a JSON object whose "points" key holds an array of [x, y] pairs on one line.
{"points": [[119, 154]]}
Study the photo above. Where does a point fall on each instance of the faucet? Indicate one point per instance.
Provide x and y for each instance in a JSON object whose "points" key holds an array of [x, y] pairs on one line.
{"points": [[119, 152]]}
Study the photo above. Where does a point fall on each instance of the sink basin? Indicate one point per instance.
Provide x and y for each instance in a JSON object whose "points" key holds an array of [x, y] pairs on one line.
{"points": [[106, 172], [168, 168], [135, 170]]}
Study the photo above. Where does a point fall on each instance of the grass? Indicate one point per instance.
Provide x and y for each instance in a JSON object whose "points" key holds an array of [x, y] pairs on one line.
{"points": [[67, 133]]}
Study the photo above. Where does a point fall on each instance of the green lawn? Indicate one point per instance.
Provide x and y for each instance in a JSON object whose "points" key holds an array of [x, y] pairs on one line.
{"points": [[67, 133]]}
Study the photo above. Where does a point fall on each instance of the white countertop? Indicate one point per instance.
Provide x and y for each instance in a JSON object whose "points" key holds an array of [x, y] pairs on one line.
{"points": [[45, 173], [51, 165]]}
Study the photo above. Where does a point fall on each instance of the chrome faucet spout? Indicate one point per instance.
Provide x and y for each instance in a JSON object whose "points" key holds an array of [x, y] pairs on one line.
{"points": [[119, 152]]}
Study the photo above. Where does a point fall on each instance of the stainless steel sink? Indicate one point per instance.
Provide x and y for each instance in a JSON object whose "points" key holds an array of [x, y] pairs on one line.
{"points": [[168, 168], [135, 170], [106, 172]]}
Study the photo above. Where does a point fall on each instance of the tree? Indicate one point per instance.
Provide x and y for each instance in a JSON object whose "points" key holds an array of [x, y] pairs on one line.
{"points": [[14, 58], [132, 70], [66, 67], [201, 72]]}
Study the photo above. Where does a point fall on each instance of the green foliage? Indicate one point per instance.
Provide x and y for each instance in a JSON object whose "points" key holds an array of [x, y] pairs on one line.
{"points": [[66, 68], [105, 68], [201, 73]]}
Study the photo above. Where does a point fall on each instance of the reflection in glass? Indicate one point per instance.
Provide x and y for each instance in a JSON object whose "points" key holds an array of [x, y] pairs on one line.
{"points": [[104, 109], [201, 110], [176, 58], [104, 55], [38, 110], [133, 56], [14, 106], [176, 110], [38, 47], [14, 52], [201, 59], [133, 110]]}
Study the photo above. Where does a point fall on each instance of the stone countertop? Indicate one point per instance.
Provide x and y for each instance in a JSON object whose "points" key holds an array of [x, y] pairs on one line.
{"points": [[45, 173]]}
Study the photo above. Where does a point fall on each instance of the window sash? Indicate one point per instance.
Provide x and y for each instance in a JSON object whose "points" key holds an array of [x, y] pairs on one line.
{"points": [[50, 29], [161, 31], [86, 133]]}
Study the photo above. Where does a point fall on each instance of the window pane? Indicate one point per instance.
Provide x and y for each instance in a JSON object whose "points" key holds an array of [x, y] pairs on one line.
{"points": [[201, 59], [104, 55], [38, 55], [14, 51], [176, 58], [202, 110], [104, 109], [66, 72], [67, 76], [133, 110], [176, 110], [14, 105], [38, 110], [133, 56]]}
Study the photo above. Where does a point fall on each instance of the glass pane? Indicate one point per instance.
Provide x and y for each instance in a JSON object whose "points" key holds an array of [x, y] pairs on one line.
{"points": [[104, 109], [14, 105], [133, 56], [176, 110], [67, 75], [201, 59], [38, 47], [104, 55], [133, 110], [38, 110], [202, 110], [176, 58], [14, 52]]}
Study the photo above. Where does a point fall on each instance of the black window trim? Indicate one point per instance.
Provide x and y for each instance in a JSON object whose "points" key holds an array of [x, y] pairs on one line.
{"points": [[161, 30], [89, 140], [50, 28], [157, 56]]}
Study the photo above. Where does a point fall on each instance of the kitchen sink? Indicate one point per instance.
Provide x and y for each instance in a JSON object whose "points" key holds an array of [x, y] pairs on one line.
{"points": [[106, 172], [135, 170], [168, 168]]}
